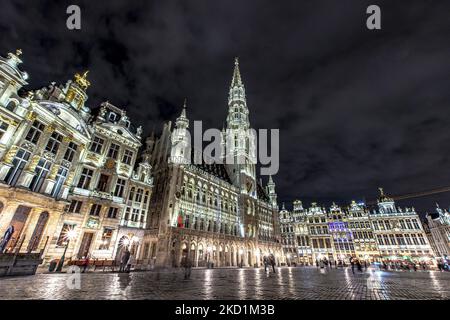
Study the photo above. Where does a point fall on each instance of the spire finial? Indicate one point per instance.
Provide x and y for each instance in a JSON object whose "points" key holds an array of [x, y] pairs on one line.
{"points": [[82, 80], [185, 103], [236, 74]]}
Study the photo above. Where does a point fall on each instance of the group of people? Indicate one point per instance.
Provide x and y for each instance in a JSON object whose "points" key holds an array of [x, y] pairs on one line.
{"points": [[403, 265], [269, 261], [356, 262]]}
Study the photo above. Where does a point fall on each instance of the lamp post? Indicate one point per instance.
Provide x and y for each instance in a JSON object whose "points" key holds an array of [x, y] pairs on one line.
{"points": [[69, 236]]}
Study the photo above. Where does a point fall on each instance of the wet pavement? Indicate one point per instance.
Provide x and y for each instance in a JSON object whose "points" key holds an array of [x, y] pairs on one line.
{"points": [[287, 283]]}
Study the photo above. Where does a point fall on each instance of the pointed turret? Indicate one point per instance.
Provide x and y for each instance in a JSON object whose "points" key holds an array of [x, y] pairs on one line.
{"points": [[272, 193], [182, 121], [236, 81], [181, 140], [237, 104]]}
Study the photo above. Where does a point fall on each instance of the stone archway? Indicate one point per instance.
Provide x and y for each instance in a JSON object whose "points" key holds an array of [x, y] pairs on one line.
{"points": [[38, 231]]}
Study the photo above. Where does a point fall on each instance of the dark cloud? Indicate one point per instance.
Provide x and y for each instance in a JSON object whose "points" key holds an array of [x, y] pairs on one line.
{"points": [[357, 109]]}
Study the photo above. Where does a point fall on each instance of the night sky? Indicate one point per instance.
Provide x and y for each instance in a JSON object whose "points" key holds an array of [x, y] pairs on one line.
{"points": [[357, 109]]}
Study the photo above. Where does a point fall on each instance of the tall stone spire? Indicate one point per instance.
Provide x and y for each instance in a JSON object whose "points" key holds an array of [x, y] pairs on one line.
{"points": [[237, 104], [182, 121], [181, 140], [241, 148], [236, 81]]}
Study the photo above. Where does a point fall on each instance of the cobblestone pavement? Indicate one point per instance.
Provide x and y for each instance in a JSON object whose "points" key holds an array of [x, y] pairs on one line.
{"points": [[287, 283]]}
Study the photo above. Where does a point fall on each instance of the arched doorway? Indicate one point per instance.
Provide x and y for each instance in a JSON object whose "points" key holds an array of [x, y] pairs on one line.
{"points": [[18, 222], [38, 231], [192, 254]]}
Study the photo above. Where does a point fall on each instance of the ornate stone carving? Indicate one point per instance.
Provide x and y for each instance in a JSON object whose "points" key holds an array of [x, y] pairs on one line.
{"points": [[10, 154]]}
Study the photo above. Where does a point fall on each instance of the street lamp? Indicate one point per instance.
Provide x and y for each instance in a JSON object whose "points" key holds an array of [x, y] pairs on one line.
{"points": [[70, 234]]}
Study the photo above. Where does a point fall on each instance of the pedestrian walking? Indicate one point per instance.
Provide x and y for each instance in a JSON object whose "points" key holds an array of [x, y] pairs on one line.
{"points": [[272, 262], [358, 263], [266, 263], [186, 263], [353, 265], [130, 263], [124, 260]]}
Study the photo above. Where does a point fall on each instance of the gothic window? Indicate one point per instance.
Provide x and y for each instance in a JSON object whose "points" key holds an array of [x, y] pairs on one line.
{"points": [[186, 221], [113, 151], [54, 142], [97, 145], [35, 132], [85, 178], [19, 162], [139, 194], [135, 215], [70, 151], [127, 157], [41, 172], [3, 128], [131, 196], [61, 176]]}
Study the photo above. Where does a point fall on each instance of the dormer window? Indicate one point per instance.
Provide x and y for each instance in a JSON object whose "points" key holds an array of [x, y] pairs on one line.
{"points": [[127, 124], [112, 117]]}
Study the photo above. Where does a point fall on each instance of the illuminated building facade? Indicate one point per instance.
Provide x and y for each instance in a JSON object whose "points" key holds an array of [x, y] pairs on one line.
{"points": [[439, 232], [388, 233], [63, 173], [213, 213], [399, 232]]}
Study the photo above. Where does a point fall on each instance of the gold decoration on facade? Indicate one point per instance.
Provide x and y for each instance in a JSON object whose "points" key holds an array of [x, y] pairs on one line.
{"points": [[67, 139], [70, 178], [10, 154], [53, 172], [49, 128], [31, 116], [33, 163], [82, 80]]}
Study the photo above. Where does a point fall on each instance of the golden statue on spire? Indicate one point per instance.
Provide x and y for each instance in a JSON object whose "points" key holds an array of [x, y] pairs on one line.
{"points": [[82, 80]]}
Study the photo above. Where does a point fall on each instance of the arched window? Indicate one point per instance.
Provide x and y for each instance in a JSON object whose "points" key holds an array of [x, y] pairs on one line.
{"points": [[11, 106], [38, 231]]}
